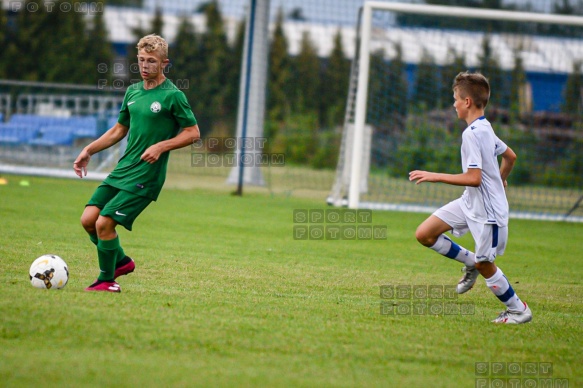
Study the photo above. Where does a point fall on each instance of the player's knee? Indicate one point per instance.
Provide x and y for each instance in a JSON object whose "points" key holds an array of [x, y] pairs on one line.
{"points": [[483, 265], [424, 238], [89, 219], [88, 223], [105, 226], [486, 268]]}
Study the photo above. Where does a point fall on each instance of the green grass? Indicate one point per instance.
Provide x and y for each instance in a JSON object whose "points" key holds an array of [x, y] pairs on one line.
{"points": [[223, 295]]}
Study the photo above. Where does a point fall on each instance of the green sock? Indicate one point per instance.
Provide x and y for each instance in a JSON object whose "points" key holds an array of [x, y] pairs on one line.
{"points": [[120, 254], [93, 238], [108, 252]]}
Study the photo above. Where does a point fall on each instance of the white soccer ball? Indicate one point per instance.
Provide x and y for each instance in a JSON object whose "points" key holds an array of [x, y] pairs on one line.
{"points": [[49, 272]]}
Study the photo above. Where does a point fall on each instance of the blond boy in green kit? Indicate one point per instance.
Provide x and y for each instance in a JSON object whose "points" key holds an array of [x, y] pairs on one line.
{"points": [[152, 114]]}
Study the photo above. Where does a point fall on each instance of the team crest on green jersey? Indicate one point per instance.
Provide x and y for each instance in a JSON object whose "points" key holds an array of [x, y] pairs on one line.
{"points": [[155, 107]]}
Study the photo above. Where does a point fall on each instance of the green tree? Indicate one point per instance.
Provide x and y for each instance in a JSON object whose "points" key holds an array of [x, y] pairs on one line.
{"points": [[490, 68], [214, 51], [3, 41], [233, 77], [335, 85], [427, 83], [455, 65], [398, 83], [187, 65], [29, 39], [278, 99], [564, 7], [99, 52], [387, 87], [157, 22], [47, 33], [307, 83], [573, 92], [378, 108], [70, 29], [297, 14], [424, 145], [518, 85], [300, 137]]}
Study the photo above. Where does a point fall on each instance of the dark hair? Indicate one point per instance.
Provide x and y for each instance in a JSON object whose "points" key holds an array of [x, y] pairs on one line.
{"points": [[473, 85]]}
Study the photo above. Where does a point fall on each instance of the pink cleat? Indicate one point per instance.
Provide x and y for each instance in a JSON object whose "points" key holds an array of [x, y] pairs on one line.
{"points": [[104, 286], [125, 269]]}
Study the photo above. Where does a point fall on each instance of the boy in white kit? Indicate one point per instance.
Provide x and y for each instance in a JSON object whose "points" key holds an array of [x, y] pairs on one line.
{"points": [[483, 207]]}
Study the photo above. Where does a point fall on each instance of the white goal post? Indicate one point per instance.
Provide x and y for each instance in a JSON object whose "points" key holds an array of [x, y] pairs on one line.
{"points": [[356, 158]]}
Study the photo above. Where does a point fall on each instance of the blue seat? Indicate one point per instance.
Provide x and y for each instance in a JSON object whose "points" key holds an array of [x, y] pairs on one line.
{"points": [[17, 133], [29, 119], [20, 119], [111, 121], [54, 135], [81, 126], [40, 121], [86, 132], [85, 126]]}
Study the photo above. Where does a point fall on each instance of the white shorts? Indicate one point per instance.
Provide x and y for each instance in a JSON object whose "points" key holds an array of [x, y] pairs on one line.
{"points": [[490, 239]]}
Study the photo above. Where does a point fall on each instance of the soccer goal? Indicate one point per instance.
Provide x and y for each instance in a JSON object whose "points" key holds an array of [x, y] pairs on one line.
{"points": [[399, 114]]}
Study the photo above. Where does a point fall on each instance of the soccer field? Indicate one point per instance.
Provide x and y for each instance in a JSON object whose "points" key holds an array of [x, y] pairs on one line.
{"points": [[224, 295]]}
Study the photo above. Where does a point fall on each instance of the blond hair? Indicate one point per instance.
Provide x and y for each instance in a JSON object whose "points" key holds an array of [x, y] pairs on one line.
{"points": [[473, 85], [154, 43]]}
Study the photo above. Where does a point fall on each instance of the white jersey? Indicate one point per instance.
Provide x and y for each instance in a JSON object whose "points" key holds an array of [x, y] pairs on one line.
{"points": [[487, 203]]}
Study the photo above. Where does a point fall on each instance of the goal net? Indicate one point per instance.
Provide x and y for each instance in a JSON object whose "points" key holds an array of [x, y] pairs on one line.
{"points": [[399, 115]]}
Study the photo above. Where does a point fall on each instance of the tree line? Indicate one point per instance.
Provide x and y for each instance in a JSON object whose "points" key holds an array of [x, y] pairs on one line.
{"points": [[306, 95]]}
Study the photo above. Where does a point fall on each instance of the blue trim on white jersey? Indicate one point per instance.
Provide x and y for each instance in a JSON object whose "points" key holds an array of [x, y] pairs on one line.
{"points": [[479, 118]]}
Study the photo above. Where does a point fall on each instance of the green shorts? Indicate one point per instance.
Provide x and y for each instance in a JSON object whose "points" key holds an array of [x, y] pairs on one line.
{"points": [[122, 206]]}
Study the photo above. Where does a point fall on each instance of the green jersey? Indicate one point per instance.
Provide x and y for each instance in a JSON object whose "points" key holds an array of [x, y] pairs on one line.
{"points": [[152, 116]]}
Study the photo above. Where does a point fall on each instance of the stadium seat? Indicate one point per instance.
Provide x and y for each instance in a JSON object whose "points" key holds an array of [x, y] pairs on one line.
{"points": [[17, 133], [20, 119], [54, 135], [84, 126], [111, 121], [80, 126], [30, 119]]}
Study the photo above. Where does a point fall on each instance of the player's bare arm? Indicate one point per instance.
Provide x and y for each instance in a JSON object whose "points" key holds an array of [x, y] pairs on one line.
{"points": [[109, 138], [473, 177], [508, 160], [188, 136]]}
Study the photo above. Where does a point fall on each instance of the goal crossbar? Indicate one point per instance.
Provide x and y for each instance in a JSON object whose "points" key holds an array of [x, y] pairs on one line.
{"points": [[364, 62], [475, 13]]}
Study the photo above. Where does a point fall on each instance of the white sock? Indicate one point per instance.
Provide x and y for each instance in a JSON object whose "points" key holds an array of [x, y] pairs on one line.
{"points": [[444, 246], [501, 287]]}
